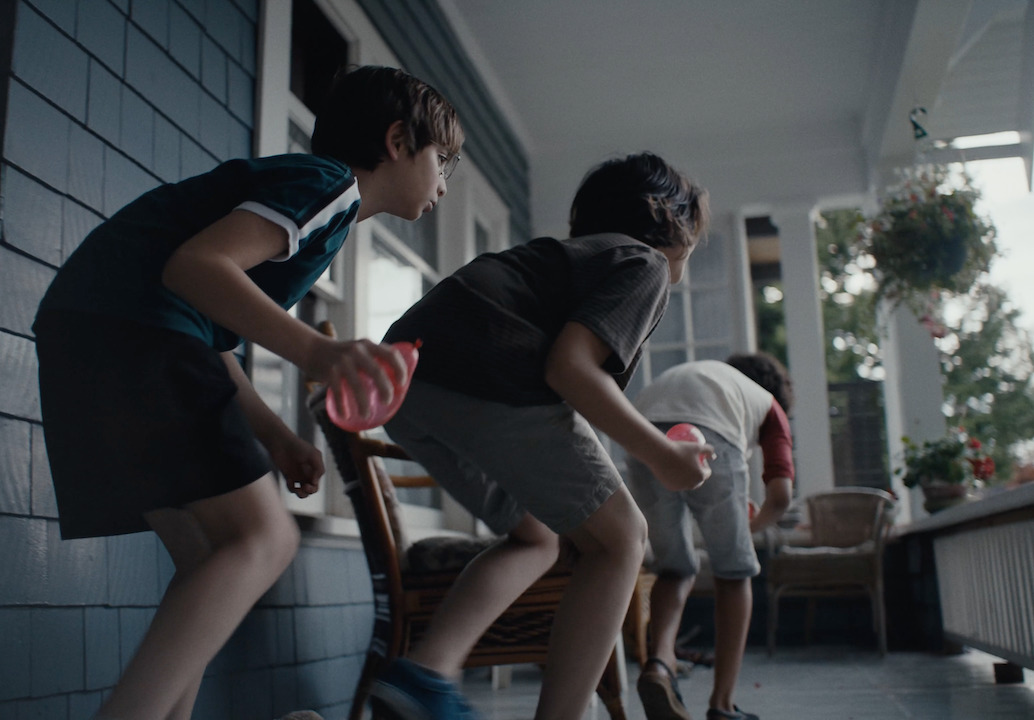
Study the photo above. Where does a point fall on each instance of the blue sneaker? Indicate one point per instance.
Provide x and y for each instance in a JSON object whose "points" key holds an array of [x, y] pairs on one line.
{"points": [[407, 691]]}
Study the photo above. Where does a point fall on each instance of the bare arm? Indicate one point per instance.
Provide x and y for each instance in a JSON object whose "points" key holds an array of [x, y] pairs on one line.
{"points": [[208, 271], [299, 461], [778, 493], [574, 371]]}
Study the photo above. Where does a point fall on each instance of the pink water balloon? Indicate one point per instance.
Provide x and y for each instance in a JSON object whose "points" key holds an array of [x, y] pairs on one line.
{"points": [[350, 418], [685, 432]]}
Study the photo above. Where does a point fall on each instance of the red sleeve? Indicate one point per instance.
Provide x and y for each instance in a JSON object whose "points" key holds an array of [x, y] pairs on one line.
{"points": [[776, 445]]}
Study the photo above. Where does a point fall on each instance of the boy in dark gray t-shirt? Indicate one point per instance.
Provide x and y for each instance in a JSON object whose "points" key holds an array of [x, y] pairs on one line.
{"points": [[522, 350]]}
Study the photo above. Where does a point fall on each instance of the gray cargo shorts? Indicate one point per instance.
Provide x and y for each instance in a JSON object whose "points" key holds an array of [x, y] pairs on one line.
{"points": [[500, 461], [720, 509]]}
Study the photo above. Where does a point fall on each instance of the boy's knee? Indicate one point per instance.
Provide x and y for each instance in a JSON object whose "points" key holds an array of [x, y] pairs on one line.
{"points": [[273, 544], [620, 528]]}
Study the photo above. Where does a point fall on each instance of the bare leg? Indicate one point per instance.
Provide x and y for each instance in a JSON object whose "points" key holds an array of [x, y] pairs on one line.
{"points": [[253, 539], [182, 536], [667, 601], [485, 588], [733, 603], [611, 544]]}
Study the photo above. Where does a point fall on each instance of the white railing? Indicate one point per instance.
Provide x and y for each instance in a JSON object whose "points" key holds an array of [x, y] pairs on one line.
{"points": [[985, 576]]}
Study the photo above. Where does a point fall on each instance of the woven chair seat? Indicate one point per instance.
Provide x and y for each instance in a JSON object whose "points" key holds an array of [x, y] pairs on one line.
{"points": [[443, 554]]}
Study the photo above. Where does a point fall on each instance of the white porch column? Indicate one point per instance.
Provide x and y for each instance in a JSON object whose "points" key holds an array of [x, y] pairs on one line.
{"points": [[805, 348], [913, 395]]}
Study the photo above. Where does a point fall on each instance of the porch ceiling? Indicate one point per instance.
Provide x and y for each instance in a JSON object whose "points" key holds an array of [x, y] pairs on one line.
{"points": [[763, 102]]}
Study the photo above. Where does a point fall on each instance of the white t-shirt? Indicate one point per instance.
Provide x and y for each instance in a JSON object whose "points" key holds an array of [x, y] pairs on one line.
{"points": [[710, 393]]}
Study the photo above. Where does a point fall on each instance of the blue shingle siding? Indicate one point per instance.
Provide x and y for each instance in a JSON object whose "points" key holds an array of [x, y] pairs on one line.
{"points": [[19, 392], [152, 73], [166, 150], [136, 128], [44, 504], [133, 570], [101, 28], [76, 570], [36, 137], [105, 98], [25, 281], [25, 546], [240, 90], [213, 68], [215, 127], [50, 62], [30, 223], [195, 8], [16, 673], [83, 706], [124, 180], [56, 666], [77, 221], [152, 17], [86, 168], [15, 468], [59, 12], [185, 40], [101, 648], [225, 23]]}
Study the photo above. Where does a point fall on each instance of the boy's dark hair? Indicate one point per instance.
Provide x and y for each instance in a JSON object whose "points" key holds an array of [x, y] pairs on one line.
{"points": [[362, 104], [769, 373], [643, 197]]}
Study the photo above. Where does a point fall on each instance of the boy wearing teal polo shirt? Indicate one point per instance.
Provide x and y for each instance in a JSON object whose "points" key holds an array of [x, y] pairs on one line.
{"points": [[149, 419]]}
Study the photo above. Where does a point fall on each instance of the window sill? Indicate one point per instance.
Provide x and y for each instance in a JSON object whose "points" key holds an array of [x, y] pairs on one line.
{"points": [[328, 530]]}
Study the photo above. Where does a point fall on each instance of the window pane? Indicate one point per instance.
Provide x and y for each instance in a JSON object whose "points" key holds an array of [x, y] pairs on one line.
{"points": [[317, 50], [420, 236], [298, 140], [393, 287], [710, 315], [712, 352], [481, 238], [707, 263], [661, 360], [672, 327]]}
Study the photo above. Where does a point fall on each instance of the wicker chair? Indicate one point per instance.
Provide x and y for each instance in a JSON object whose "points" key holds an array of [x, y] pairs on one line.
{"points": [[848, 529], [410, 580]]}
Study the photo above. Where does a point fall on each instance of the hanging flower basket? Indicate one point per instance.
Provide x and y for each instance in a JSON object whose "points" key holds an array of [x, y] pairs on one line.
{"points": [[927, 239]]}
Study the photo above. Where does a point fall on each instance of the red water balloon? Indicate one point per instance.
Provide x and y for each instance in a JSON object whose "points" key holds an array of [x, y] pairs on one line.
{"points": [[685, 432]]}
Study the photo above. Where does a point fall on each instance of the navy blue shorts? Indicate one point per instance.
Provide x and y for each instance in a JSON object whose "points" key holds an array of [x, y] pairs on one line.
{"points": [[136, 418]]}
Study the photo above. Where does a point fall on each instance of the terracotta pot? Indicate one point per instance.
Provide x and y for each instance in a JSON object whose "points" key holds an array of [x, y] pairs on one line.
{"points": [[940, 495]]}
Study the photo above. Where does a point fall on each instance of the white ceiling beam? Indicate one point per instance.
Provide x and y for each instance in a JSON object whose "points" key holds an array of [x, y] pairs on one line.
{"points": [[936, 30]]}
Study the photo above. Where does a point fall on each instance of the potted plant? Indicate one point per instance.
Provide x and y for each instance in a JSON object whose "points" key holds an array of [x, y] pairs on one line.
{"points": [[927, 240], [947, 469]]}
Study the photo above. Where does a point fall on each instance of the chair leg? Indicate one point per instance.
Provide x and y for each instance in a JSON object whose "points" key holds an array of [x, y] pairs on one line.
{"points": [[879, 615], [609, 688], [773, 617], [809, 621]]}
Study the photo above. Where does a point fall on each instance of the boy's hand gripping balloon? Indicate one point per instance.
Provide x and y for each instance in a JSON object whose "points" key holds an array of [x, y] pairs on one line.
{"points": [[350, 419], [690, 433]]}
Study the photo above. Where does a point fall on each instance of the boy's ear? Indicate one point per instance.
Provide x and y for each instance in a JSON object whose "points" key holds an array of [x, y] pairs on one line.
{"points": [[395, 140]]}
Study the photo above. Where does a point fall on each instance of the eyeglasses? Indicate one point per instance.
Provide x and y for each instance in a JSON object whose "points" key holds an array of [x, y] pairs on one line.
{"points": [[447, 166]]}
